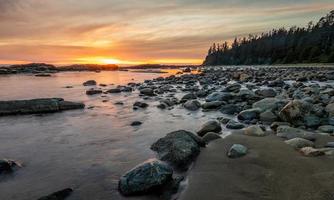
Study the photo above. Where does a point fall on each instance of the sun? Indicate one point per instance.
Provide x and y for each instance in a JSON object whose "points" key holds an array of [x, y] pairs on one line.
{"points": [[109, 61]]}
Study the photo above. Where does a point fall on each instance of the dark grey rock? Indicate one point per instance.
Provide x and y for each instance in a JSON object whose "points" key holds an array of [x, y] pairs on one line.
{"points": [[60, 195], [249, 114], [179, 148], [208, 137], [93, 91], [89, 83], [145, 178], [234, 125], [192, 105], [237, 150], [210, 126]]}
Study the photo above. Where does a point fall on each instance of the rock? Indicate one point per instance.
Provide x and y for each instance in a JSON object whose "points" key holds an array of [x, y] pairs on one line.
{"points": [[119, 103], [37, 106], [212, 105], [268, 116], [114, 90], [42, 75], [145, 178], [299, 143], [136, 123], [326, 129], [249, 114], [234, 125], [330, 109], [270, 104], [293, 112], [230, 109], [290, 133], [208, 137], [89, 83], [312, 121], [7, 166], [60, 195], [187, 97], [192, 105], [219, 96], [236, 151], [139, 104], [275, 125], [93, 91], [147, 92], [330, 145], [311, 152], [210, 126], [267, 92], [254, 131], [233, 88], [179, 148]]}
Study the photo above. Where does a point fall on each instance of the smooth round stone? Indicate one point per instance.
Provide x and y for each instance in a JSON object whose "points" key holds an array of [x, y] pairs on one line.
{"points": [[237, 150]]}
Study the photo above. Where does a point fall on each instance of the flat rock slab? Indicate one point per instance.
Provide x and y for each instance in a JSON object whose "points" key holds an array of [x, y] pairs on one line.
{"points": [[270, 170]]}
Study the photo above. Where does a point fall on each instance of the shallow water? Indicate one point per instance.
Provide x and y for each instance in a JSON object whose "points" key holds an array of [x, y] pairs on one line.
{"points": [[88, 149]]}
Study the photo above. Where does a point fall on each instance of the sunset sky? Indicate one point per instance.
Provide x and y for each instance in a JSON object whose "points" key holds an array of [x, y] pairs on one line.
{"points": [[138, 31]]}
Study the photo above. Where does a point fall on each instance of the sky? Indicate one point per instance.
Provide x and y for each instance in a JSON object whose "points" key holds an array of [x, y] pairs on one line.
{"points": [[138, 31]]}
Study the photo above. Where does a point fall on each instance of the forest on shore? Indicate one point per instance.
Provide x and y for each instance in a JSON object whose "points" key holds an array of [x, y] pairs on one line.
{"points": [[311, 44]]}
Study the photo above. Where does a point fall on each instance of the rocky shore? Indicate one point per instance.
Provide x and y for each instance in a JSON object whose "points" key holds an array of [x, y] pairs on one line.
{"points": [[280, 122]]}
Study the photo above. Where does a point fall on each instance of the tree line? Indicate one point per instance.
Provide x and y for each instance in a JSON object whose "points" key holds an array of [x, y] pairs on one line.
{"points": [[311, 44]]}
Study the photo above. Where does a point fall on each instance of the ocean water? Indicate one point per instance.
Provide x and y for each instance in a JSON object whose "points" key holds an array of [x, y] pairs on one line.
{"points": [[87, 150]]}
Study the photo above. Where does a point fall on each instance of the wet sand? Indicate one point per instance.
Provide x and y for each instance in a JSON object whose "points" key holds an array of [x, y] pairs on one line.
{"points": [[270, 170]]}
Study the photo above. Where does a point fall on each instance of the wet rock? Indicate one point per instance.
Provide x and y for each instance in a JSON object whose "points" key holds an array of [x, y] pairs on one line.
{"points": [[139, 104], [145, 178], [179, 148], [275, 125], [119, 103], [219, 96], [330, 109], [233, 88], [7, 166], [311, 152], [254, 131], [212, 105], [147, 92], [208, 137], [299, 143], [290, 133], [330, 145], [234, 125], [189, 96], [60, 195], [249, 114], [136, 123], [326, 129], [114, 90], [268, 117], [270, 104], [267, 92], [312, 121], [230, 109], [89, 83], [37, 106], [93, 91], [293, 112], [237, 150], [192, 105], [42, 75], [210, 126]]}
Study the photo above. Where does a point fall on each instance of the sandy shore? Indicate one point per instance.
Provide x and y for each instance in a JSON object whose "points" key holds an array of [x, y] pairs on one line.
{"points": [[271, 170]]}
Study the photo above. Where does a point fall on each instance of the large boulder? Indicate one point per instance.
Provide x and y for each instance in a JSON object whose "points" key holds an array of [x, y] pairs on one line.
{"points": [[37, 106], [237, 150], [59, 195], [249, 114], [210, 126], [293, 112], [290, 133], [192, 105], [145, 178], [178, 148], [299, 143]]}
